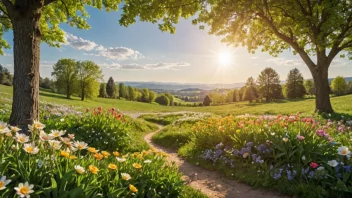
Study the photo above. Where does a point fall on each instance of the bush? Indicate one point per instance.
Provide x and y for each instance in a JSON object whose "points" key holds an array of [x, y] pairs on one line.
{"points": [[162, 100], [56, 165], [300, 156]]}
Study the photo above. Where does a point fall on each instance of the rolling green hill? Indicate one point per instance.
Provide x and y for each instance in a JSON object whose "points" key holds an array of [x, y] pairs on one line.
{"points": [[340, 104]]}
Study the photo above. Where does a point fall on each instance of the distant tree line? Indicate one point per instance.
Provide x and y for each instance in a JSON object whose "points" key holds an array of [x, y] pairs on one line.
{"points": [[267, 87], [5, 77]]}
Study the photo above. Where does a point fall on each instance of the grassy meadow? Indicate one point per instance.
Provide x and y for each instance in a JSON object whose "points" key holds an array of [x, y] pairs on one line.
{"points": [[340, 104]]}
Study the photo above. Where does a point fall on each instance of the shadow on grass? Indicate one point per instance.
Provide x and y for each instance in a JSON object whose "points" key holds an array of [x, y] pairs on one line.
{"points": [[337, 116], [54, 95]]}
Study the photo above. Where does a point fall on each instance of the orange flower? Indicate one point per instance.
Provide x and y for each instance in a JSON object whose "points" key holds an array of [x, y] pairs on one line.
{"points": [[93, 169], [92, 150], [106, 154], [136, 165], [116, 154], [112, 167], [64, 154], [98, 156], [133, 188]]}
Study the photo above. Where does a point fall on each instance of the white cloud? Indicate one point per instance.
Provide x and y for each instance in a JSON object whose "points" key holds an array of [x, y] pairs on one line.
{"points": [[47, 63], [339, 63], [114, 53], [134, 66], [79, 43], [119, 53], [286, 62]]}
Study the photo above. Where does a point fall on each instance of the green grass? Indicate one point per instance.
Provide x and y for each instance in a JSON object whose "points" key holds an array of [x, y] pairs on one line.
{"points": [[161, 119], [173, 136], [340, 104]]}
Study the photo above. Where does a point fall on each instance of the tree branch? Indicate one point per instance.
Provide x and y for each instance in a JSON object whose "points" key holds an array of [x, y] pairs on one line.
{"points": [[289, 41], [11, 10], [47, 2]]}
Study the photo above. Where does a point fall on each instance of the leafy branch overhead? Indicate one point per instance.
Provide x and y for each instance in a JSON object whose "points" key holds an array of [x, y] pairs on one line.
{"points": [[54, 12], [308, 27]]}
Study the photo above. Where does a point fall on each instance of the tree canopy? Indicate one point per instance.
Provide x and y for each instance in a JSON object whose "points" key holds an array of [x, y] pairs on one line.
{"points": [[339, 85], [294, 84], [269, 84], [315, 30], [65, 72]]}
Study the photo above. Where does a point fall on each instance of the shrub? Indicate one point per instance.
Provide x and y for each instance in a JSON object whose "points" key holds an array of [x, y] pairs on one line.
{"points": [[162, 100], [56, 165]]}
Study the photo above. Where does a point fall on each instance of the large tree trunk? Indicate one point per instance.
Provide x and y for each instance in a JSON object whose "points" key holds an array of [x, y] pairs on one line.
{"points": [[27, 39], [322, 90]]}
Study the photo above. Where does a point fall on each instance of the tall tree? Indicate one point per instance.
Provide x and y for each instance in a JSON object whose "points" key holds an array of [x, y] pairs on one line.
{"points": [[294, 84], [102, 91], [122, 91], [250, 93], [162, 100], [339, 85], [32, 22], [152, 96], [110, 87], [145, 95], [89, 74], [269, 84], [5, 76], [236, 96], [309, 86], [207, 101], [131, 93], [315, 30], [65, 73], [171, 99]]}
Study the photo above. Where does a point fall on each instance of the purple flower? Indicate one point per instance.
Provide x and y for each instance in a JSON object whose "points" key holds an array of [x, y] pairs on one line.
{"points": [[310, 174], [291, 174], [235, 152], [249, 144], [218, 146], [347, 169], [321, 133]]}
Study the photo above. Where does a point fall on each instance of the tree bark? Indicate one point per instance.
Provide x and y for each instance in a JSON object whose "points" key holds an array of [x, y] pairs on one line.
{"points": [[27, 39], [322, 90]]}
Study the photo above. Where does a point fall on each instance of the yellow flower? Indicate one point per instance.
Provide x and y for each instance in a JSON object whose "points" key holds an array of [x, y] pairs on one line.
{"points": [[98, 156], [112, 166], [73, 157], [285, 139], [238, 131], [116, 154], [64, 154], [92, 150], [106, 154], [133, 188], [93, 169], [136, 165], [259, 131]]}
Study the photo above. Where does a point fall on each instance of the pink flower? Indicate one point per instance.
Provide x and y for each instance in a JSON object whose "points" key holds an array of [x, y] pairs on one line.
{"points": [[331, 139], [314, 165], [321, 133], [300, 137]]}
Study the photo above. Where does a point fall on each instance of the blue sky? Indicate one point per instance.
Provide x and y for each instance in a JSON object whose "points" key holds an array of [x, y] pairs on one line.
{"points": [[142, 52]]}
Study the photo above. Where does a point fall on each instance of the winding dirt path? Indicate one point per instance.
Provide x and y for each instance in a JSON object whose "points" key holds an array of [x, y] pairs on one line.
{"points": [[209, 182]]}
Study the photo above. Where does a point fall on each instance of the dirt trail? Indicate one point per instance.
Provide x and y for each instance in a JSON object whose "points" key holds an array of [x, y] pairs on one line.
{"points": [[208, 182]]}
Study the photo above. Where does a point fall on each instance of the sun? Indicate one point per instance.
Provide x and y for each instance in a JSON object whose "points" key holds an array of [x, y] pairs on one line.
{"points": [[225, 58]]}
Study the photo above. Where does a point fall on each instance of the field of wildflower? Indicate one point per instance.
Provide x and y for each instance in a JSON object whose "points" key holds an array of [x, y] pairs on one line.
{"points": [[77, 153], [294, 154]]}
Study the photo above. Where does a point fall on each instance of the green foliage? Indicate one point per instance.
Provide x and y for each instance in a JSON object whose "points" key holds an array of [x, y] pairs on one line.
{"points": [[174, 136], [339, 86], [110, 87], [102, 91], [162, 119], [275, 152], [54, 172], [207, 101], [171, 98], [309, 86], [162, 100], [122, 91], [131, 93], [269, 84], [5, 76], [47, 83], [294, 84], [89, 74], [251, 93], [236, 96], [66, 75]]}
